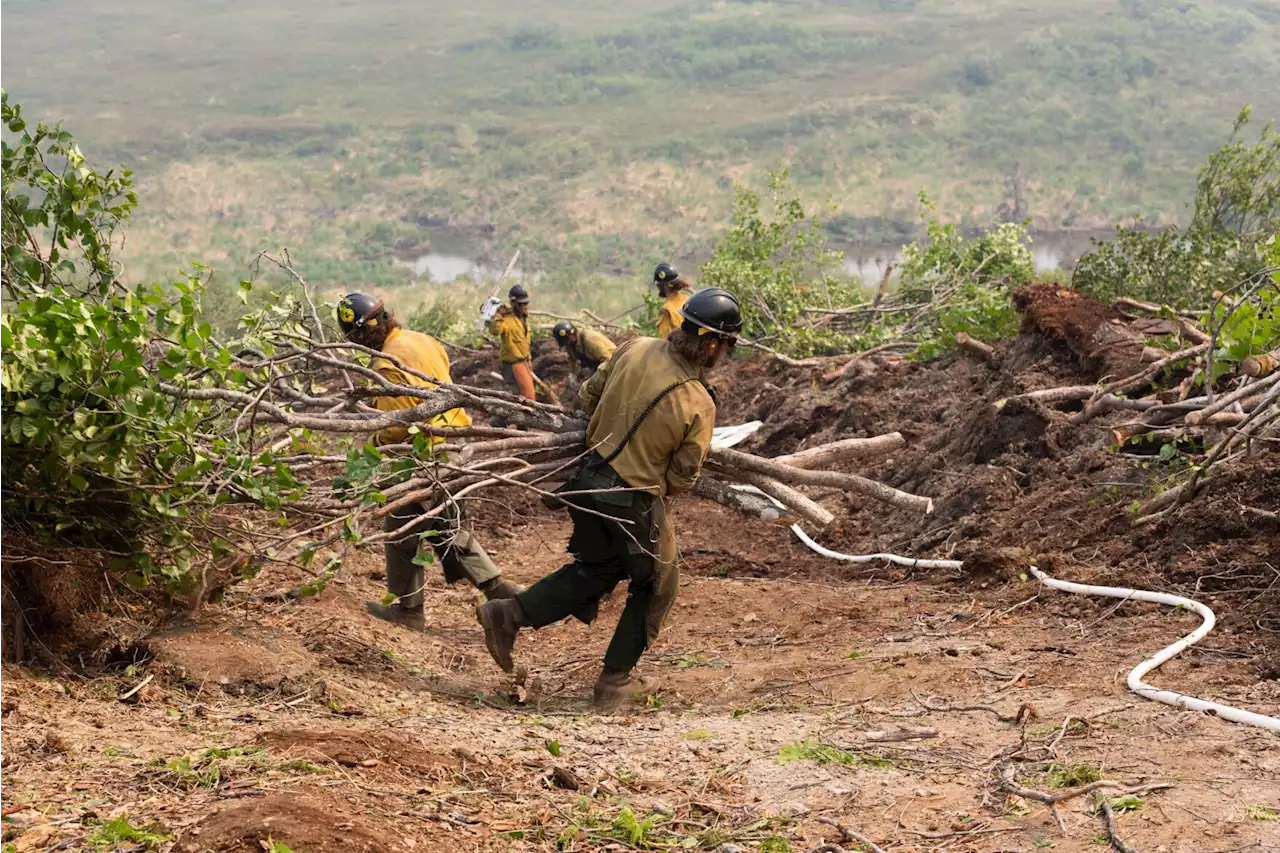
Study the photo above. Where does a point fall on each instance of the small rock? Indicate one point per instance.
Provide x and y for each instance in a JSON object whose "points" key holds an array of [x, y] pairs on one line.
{"points": [[797, 810], [730, 848], [566, 779], [750, 617], [662, 808]]}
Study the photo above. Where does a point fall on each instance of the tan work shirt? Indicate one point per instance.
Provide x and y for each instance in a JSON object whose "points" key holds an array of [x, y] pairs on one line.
{"points": [[426, 355], [591, 349], [669, 318], [514, 339], [667, 452]]}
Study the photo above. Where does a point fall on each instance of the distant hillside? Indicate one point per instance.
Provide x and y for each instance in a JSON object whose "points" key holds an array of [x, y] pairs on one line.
{"points": [[597, 133]]}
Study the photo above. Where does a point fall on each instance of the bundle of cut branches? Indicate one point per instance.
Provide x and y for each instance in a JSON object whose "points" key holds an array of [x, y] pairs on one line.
{"points": [[288, 400]]}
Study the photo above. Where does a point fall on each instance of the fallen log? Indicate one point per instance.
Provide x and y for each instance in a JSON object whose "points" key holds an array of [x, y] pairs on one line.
{"points": [[901, 733], [1261, 365], [1224, 419], [840, 451], [784, 494], [1145, 376], [735, 462], [975, 348], [1050, 395], [1226, 400], [1109, 403], [748, 503]]}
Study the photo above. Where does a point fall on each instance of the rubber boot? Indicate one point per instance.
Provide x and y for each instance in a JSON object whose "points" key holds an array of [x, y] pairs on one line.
{"points": [[501, 619], [398, 615], [500, 587], [614, 688]]}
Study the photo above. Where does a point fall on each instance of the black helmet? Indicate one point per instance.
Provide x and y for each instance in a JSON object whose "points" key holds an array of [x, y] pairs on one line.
{"points": [[561, 332], [712, 309], [664, 274], [517, 293], [357, 310]]}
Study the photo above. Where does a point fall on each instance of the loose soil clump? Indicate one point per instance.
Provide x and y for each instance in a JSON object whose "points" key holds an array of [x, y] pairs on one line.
{"points": [[310, 823], [361, 749]]}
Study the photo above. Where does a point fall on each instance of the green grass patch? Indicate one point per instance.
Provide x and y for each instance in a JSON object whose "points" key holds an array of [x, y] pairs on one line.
{"points": [[1071, 775], [114, 833], [811, 750]]}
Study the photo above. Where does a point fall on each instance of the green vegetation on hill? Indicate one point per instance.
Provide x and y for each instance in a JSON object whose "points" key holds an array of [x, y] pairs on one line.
{"points": [[603, 135]]}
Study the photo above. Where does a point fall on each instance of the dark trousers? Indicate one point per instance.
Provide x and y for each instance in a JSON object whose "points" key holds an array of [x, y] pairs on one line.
{"points": [[509, 376], [460, 555], [605, 552]]}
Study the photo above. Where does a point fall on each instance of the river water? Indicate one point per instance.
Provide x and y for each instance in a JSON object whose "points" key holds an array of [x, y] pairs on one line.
{"points": [[1052, 252]]}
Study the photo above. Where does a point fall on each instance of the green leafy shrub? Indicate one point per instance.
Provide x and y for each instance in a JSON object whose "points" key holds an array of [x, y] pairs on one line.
{"points": [[442, 319], [777, 265], [1237, 209], [962, 283], [97, 452]]}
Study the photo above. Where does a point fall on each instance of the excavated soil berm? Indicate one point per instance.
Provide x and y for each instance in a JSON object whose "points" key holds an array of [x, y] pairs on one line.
{"points": [[311, 822]]}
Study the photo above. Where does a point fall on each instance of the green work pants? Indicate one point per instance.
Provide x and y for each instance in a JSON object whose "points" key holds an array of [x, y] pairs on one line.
{"points": [[605, 552], [460, 555], [509, 376]]}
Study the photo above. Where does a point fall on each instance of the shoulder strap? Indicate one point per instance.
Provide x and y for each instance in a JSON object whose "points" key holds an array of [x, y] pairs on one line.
{"points": [[644, 413]]}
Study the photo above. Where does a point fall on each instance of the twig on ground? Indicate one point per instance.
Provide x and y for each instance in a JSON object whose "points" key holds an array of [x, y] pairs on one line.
{"points": [[1026, 711], [1109, 818], [847, 835]]}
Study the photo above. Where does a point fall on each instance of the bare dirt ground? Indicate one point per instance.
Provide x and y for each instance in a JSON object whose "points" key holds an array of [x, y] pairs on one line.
{"points": [[306, 723]]}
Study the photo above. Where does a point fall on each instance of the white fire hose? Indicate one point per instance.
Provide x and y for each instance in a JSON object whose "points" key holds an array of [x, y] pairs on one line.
{"points": [[1135, 682], [732, 435]]}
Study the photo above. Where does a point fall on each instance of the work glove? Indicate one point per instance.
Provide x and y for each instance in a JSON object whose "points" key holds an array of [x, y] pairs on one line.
{"points": [[490, 308]]}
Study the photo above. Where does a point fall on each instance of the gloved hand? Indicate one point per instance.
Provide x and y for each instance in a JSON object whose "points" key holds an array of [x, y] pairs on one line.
{"points": [[490, 308]]}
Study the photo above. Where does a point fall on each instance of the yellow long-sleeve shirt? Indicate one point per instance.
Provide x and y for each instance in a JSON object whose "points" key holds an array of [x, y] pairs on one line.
{"points": [[669, 318], [591, 350], [667, 452], [514, 339], [426, 355]]}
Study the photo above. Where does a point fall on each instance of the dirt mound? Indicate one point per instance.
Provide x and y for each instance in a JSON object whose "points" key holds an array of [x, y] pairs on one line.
{"points": [[312, 823], [1017, 427], [1095, 333], [59, 596], [249, 661], [361, 749]]}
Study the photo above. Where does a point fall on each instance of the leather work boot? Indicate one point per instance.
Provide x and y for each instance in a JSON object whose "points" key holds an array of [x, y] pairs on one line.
{"points": [[614, 688], [397, 615], [500, 587], [501, 619]]}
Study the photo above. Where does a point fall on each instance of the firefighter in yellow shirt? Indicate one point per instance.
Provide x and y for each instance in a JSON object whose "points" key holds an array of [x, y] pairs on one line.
{"points": [[652, 417], [511, 325], [366, 322], [672, 290], [587, 349]]}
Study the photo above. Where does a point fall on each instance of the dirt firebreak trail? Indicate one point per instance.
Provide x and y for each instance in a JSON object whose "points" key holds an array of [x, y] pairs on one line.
{"points": [[806, 704]]}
